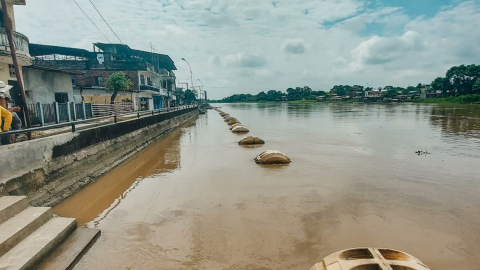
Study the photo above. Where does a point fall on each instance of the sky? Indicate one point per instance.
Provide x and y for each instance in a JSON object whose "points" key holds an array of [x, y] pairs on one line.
{"points": [[248, 46]]}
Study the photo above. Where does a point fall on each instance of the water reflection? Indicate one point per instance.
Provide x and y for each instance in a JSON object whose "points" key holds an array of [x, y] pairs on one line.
{"points": [[457, 120], [96, 201]]}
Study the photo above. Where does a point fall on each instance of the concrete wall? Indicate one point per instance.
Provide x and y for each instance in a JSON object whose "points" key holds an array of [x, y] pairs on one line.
{"points": [[51, 169], [101, 95], [43, 85], [5, 73]]}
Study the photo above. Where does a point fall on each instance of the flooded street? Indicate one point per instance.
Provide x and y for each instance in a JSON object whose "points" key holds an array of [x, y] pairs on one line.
{"points": [[196, 199]]}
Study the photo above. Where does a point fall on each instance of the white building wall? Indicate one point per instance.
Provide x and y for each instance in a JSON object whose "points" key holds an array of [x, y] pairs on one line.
{"points": [[41, 85]]}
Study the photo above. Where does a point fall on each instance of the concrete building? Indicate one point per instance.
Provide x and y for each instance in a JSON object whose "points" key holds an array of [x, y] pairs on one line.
{"points": [[46, 85], [152, 74], [7, 70]]}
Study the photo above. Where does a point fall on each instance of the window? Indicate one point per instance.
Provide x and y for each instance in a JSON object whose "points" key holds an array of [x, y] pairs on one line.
{"points": [[142, 79], [164, 84], [149, 81], [11, 69], [99, 81], [74, 79], [61, 97]]}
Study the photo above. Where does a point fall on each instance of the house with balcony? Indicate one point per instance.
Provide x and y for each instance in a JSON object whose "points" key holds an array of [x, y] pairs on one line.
{"points": [[152, 74], [21, 42]]}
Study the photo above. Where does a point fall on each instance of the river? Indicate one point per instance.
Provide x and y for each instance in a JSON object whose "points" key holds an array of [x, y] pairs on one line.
{"points": [[196, 199]]}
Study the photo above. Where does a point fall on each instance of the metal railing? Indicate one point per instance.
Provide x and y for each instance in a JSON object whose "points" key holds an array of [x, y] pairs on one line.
{"points": [[115, 117]]}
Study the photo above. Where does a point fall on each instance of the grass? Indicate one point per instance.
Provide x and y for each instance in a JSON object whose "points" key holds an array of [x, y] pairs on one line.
{"points": [[466, 99]]}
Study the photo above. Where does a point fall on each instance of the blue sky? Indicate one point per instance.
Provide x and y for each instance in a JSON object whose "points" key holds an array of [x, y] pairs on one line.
{"points": [[246, 46]]}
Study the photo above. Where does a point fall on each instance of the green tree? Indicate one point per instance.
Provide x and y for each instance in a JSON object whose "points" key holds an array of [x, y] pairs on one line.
{"points": [[463, 78], [476, 87], [442, 84], [189, 96], [118, 81], [390, 94]]}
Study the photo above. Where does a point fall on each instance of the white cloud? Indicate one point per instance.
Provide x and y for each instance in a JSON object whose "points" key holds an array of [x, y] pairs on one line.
{"points": [[295, 46], [377, 50], [245, 60]]}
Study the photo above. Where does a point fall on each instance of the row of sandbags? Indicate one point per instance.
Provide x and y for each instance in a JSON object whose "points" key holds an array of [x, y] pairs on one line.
{"points": [[266, 157]]}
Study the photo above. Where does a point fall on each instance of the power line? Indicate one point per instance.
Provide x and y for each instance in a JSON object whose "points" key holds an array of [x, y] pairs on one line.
{"points": [[91, 20], [105, 21]]}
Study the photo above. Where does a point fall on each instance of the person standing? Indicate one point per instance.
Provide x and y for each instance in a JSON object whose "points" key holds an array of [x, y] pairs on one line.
{"points": [[16, 122], [5, 122]]}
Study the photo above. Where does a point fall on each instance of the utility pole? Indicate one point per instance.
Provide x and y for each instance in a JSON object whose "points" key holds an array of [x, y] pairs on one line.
{"points": [[8, 27], [191, 73], [201, 90]]}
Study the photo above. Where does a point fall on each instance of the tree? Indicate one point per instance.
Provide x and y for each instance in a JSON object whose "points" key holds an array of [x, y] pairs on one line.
{"points": [[118, 81], [442, 84], [189, 96], [476, 87], [390, 94], [463, 78]]}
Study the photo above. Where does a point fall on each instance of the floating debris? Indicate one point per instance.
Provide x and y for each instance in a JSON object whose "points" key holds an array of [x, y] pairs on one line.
{"points": [[240, 129], [370, 258], [249, 140], [421, 153], [233, 121], [229, 118], [272, 157], [235, 125]]}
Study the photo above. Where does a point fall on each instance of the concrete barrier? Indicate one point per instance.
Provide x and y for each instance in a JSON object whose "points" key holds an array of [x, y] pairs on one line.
{"points": [[51, 169]]}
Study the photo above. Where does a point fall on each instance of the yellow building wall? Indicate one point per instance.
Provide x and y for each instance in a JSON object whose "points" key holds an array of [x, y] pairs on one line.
{"points": [[5, 73], [105, 99]]}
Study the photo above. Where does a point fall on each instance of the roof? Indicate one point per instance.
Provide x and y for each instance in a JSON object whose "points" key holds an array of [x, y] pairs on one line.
{"points": [[17, 2], [163, 60], [39, 50], [54, 70]]}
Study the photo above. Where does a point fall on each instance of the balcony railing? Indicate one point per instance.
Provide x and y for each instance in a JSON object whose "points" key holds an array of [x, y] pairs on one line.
{"points": [[148, 87], [20, 41]]}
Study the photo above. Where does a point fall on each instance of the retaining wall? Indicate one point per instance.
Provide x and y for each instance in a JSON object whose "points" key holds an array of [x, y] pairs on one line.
{"points": [[51, 169]]}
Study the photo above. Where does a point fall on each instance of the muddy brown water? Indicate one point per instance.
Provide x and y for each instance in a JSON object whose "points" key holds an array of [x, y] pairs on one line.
{"points": [[196, 199]]}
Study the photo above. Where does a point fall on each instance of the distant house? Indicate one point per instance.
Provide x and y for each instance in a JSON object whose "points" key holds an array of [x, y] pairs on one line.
{"points": [[374, 94], [47, 85], [152, 74]]}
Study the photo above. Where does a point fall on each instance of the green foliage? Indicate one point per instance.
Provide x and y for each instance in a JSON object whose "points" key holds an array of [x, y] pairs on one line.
{"points": [[189, 96], [459, 80], [297, 93], [476, 86], [465, 99], [118, 81], [390, 94]]}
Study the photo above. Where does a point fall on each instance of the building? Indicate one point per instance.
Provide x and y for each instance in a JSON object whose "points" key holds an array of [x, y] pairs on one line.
{"points": [[7, 70], [46, 85], [152, 74], [374, 94]]}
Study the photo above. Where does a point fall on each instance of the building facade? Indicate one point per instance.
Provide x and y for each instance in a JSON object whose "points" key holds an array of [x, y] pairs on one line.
{"points": [[21, 43], [152, 74]]}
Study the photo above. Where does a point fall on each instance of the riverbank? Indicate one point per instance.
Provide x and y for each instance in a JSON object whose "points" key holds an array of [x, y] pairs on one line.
{"points": [[53, 168], [466, 99]]}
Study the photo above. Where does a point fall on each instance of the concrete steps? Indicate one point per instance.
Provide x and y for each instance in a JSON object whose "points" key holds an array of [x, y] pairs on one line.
{"points": [[11, 205], [32, 251], [28, 235], [70, 252], [14, 230]]}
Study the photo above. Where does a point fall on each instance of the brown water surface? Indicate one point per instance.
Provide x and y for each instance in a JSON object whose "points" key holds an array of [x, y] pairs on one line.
{"points": [[196, 200]]}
